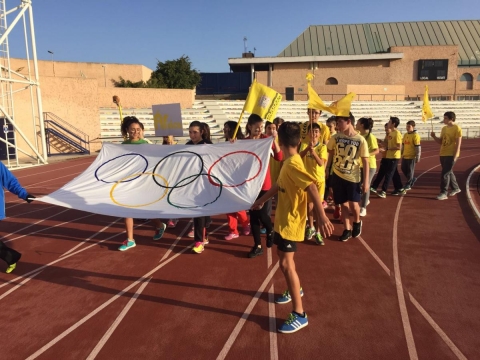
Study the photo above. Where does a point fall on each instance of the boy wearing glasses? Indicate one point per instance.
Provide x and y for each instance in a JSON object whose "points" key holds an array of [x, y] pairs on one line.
{"points": [[314, 115]]}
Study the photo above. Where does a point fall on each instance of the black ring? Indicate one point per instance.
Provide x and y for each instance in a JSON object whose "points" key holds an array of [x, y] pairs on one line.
{"points": [[194, 207], [111, 182], [176, 186]]}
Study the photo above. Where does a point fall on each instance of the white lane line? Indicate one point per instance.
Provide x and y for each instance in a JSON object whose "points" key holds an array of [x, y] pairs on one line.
{"points": [[437, 328], [35, 223], [90, 238], [58, 260], [471, 201], [104, 305], [412, 351], [29, 212], [20, 284], [233, 336], [60, 177], [422, 311], [272, 324], [49, 171], [50, 227], [384, 267], [117, 321]]}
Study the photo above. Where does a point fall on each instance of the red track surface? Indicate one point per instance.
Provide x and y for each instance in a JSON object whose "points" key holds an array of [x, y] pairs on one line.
{"points": [[407, 289]]}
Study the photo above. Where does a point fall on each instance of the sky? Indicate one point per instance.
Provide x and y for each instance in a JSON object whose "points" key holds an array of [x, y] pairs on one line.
{"points": [[209, 31]]}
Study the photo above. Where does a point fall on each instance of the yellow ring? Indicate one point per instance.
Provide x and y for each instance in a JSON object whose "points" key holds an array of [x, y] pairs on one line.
{"points": [[141, 205]]}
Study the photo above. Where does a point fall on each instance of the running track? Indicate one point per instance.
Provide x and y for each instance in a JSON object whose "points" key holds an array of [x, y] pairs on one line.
{"points": [[408, 288]]}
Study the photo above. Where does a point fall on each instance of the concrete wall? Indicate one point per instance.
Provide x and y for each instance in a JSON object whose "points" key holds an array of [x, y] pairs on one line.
{"points": [[77, 99]]}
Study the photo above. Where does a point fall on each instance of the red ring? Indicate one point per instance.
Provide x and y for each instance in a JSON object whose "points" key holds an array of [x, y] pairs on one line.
{"points": [[231, 153]]}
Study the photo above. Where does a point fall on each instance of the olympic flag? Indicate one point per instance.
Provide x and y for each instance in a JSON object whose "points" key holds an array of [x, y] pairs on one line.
{"points": [[180, 181]]}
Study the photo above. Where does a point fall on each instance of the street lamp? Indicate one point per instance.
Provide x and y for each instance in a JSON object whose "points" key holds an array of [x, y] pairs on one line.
{"points": [[53, 62], [104, 76]]}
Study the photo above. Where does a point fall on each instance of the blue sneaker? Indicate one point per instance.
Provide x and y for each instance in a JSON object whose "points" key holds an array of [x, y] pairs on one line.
{"points": [[159, 232], [293, 323], [127, 244], [286, 298], [263, 231]]}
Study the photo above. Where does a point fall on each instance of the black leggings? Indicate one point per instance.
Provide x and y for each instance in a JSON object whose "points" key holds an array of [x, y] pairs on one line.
{"points": [[263, 216], [9, 255]]}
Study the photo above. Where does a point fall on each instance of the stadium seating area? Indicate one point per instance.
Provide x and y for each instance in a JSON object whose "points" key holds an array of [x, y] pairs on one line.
{"points": [[468, 116]]}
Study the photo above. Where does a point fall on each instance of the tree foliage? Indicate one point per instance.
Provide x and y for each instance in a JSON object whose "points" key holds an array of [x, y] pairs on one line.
{"points": [[171, 74]]}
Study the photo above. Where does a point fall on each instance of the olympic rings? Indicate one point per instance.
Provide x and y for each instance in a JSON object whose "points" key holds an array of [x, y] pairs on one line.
{"points": [[140, 205], [194, 176], [232, 153], [194, 207], [113, 181], [138, 170]]}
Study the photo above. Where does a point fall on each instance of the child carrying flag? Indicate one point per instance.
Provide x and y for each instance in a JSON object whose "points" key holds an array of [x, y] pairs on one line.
{"points": [[411, 151], [10, 182], [314, 154]]}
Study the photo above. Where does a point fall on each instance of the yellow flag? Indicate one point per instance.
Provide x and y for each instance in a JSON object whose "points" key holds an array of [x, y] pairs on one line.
{"points": [[314, 101], [339, 108], [342, 107], [426, 110], [263, 101]]}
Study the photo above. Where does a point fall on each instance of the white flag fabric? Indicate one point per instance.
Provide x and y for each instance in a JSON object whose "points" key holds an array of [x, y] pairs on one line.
{"points": [[169, 182]]}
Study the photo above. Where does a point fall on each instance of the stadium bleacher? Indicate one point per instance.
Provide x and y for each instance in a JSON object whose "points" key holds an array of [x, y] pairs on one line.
{"points": [[468, 116]]}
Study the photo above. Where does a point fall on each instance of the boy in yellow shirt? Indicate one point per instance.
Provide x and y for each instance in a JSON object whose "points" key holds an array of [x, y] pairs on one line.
{"points": [[450, 141], [314, 115], [393, 154], [411, 151], [314, 155], [292, 187]]}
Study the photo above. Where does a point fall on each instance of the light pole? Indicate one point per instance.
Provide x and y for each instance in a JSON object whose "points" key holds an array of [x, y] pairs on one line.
{"points": [[104, 76], [53, 62]]}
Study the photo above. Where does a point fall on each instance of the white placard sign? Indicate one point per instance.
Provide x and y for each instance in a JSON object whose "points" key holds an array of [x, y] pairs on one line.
{"points": [[167, 119]]}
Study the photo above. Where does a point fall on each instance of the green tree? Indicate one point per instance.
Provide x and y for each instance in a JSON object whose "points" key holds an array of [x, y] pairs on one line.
{"points": [[171, 74], [177, 74]]}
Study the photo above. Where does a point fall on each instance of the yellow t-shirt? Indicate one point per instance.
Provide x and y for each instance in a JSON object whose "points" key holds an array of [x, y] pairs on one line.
{"points": [[449, 137], [324, 132], [394, 138], [372, 146], [311, 165], [275, 166], [410, 140], [348, 154], [291, 212]]}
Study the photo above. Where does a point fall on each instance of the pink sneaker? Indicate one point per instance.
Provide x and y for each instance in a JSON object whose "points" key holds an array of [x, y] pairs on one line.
{"points": [[171, 223], [246, 230], [231, 236], [191, 233], [324, 204]]}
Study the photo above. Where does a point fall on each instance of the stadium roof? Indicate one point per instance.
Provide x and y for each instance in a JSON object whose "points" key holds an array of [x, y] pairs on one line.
{"points": [[361, 39]]}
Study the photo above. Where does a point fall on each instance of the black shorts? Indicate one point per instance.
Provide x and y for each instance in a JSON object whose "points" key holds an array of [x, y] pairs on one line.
{"points": [[344, 191], [284, 245]]}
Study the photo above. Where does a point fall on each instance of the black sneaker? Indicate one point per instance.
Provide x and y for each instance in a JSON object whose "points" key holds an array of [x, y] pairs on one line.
{"points": [[399, 192], [347, 234], [255, 252], [357, 229], [270, 240]]}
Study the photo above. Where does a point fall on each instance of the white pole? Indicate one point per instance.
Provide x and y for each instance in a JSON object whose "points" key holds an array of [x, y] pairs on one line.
{"points": [[39, 93]]}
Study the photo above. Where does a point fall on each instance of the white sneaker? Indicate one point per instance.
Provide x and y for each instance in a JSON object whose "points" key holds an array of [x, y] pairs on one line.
{"points": [[442, 196], [363, 211], [454, 192]]}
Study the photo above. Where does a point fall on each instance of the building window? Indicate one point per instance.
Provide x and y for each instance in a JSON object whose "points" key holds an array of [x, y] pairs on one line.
{"points": [[331, 81], [466, 81]]}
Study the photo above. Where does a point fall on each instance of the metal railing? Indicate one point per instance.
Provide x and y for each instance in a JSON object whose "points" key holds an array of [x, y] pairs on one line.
{"points": [[68, 133]]}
